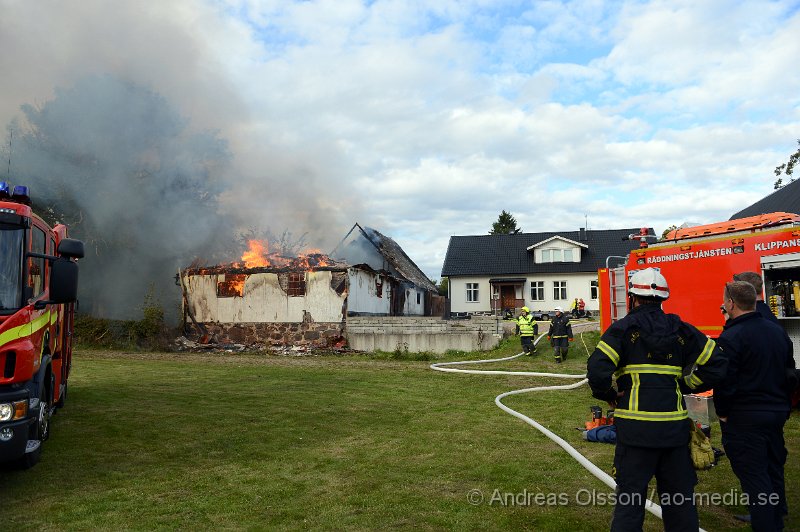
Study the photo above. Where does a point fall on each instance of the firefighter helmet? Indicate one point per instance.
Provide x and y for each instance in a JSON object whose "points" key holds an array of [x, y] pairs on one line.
{"points": [[648, 283], [526, 309]]}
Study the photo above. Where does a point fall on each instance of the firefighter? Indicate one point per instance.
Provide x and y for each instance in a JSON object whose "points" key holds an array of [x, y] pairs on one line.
{"points": [[560, 334], [527, 328], [753, 403], [758, 284], [650, 352]]}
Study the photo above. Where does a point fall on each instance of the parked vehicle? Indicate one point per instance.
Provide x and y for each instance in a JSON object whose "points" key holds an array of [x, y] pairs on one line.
{"points": [[38, 288], [698, 261]]}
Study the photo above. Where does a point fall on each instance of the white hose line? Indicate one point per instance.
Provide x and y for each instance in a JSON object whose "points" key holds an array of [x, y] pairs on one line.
{"points": [[582, 460]]}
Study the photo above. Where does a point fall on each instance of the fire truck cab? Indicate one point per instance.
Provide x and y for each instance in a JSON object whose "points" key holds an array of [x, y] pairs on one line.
{"points": [[38, 289], [697, 263]]}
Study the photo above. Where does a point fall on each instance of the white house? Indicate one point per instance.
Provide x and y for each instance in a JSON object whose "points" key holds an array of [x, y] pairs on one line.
{"points": [[537, 270]]}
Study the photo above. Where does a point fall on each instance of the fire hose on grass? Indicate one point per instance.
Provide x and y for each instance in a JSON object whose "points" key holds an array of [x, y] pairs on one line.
{"points": [[585, 462]]}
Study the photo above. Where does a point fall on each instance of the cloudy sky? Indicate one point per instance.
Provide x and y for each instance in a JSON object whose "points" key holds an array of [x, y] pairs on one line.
{"points": [[426, 119]]}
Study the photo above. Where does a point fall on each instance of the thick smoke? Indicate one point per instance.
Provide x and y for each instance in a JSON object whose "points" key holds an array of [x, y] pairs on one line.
{"points": [[126, 172]]}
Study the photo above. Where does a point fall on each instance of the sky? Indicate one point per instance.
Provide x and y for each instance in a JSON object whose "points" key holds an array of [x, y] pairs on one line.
{"points": [[426, 119]]}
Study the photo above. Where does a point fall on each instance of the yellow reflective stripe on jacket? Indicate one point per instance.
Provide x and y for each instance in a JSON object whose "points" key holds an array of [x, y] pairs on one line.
{"points": [[659, 369], [26, 329], [693, 381], [651, 416], [609, 352], [636, 382], [559, 336], [706, 354]]}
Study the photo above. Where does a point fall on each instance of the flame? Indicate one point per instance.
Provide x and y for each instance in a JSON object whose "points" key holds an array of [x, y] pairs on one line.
{"points": [[233, 285], [258, 255]]}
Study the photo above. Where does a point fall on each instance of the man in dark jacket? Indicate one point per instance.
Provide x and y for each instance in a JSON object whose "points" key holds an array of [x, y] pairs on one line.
{"points": [[755, 280], [560, 335], [753, 403], [656, 358]]}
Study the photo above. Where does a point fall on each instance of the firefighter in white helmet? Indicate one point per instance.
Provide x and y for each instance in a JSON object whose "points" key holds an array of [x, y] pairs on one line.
{"points": [[657, 357]]}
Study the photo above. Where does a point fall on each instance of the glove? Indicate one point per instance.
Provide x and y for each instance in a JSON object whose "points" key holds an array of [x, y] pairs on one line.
{"points": [[701, 450], [572, 339], [610, 396], [548, 338]]}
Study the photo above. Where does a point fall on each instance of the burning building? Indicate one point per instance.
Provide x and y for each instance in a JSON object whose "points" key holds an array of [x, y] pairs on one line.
{"points": [[305, 299]]}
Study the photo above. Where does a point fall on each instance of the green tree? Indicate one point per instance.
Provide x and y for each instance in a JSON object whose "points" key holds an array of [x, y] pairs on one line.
{"points": [[787, 168], [667, 230], [505, 225], [442, 286]]}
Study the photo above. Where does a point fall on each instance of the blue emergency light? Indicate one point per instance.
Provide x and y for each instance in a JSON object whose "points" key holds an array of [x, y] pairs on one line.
{"points": [[4, 194], [20, 195]]}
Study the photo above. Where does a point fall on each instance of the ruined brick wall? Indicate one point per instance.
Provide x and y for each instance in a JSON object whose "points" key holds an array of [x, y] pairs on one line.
{"points": [[278, 334]]}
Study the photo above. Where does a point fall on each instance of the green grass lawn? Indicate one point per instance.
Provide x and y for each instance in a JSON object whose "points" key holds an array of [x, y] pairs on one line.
{"points": [[186, 441]]}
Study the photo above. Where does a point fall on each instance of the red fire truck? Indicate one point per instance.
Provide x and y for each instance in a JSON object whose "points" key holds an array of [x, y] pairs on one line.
{"points": [[698, 261], [38, 290]]}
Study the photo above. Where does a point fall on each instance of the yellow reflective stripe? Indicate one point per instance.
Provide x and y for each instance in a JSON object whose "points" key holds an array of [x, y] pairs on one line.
{"points": [[609, 351], [40, 322], [25, 329], [561, 336], [706, 354], [692, 381], [636, 382], [680, 395], [53, 317], [651, 416], [14, 333], [659, 369]]}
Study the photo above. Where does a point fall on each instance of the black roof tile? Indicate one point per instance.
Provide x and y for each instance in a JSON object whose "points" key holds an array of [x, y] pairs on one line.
{"points": [[509, 255], [785, 199]]}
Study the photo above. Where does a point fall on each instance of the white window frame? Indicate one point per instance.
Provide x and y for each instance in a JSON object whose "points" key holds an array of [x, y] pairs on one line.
{"points": [[565, 252], [537, 288], [473, 291], [560, 291], [593, 290]]}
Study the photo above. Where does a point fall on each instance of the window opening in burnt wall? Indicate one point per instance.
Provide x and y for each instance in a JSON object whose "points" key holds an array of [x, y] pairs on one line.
{"points": [[232, 285], [297, 285]]}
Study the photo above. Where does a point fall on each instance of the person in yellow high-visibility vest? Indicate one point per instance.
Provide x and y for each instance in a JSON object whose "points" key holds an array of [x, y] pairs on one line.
{"points": [[527, 328]]}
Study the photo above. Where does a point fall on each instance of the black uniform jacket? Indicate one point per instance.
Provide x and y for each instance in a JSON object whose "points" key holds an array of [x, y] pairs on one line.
{"points": [[655, 358], [759, 352], [560, 327]]}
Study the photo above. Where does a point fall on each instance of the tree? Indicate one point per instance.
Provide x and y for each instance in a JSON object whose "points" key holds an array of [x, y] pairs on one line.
{"points": [[505, 225], [787, 168], [120, 166], [442, 286], [666, 231]]}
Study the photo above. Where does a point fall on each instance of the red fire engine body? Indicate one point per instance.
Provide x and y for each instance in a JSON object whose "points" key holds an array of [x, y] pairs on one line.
{"points": [[698, 261], [38, 288]]}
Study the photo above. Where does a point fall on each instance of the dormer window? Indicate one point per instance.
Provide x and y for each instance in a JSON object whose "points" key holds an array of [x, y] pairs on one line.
{"points": [[557, 249]]}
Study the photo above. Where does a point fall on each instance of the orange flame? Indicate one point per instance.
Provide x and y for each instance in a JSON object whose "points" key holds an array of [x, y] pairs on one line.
{"points": [[258, 255]]}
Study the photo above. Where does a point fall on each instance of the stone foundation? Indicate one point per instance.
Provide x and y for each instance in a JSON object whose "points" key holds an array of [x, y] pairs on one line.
{"points": [[423, 334], [300, 334]]}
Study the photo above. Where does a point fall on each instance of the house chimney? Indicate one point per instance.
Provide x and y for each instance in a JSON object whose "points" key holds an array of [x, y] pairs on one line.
{"points": [[582, 234]]}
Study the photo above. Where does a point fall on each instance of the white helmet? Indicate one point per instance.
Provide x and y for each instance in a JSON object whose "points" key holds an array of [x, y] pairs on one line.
{"points": [[648, 283]]}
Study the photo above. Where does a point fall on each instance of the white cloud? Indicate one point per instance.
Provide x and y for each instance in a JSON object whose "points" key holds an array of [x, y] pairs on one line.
{"points": [[426, 119]]}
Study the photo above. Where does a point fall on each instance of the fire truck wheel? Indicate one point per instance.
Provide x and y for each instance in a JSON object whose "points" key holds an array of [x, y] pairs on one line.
{"points": [[41, 430]]}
